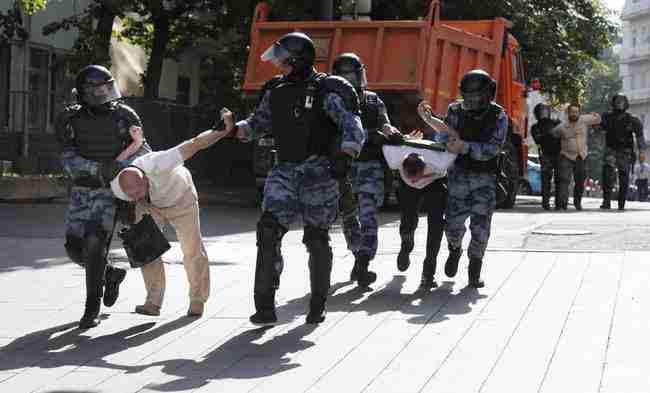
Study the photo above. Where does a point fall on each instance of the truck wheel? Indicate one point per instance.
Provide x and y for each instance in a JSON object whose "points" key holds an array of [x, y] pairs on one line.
{"points": [[511, 181]]}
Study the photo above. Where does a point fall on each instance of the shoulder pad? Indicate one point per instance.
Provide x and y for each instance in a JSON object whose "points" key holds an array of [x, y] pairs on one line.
{"points": [[370, 97], [272, 83], [62, 126], [341, 87], [636, 123], [127, 114], [496, 107], [456, 106]]}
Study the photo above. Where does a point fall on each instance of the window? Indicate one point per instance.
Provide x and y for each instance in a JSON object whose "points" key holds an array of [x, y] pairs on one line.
{"points": [[48, 88], [642, 82], [5, 69], [183, 90], [633, 82], [634, 34], [517, 70]]}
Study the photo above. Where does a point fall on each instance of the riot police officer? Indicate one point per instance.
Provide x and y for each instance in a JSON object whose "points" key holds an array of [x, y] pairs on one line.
{"points": [[482, 127], [549, 148], [315, 121], [92, 134], [620, 130], [367, 172]]}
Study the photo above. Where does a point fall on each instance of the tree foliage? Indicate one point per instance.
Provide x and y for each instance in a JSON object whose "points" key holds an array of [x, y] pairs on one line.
{"points": [[560, 39], [11, 21]]}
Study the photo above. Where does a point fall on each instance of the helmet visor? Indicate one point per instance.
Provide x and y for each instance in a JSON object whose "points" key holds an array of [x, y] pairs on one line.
{"points": [[357, 78], [544, 112], [277, 55], [100, 92], [475, 101]]}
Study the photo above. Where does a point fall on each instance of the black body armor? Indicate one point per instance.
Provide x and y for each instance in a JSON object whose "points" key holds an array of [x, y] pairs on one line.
{"points": [[369, 118], [619, 128], [477, 128], [300, 126]]}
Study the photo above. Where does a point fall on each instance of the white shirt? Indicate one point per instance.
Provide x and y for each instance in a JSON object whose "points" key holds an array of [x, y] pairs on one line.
{"points": [[642, 171], [435, 163], [168, 178]]}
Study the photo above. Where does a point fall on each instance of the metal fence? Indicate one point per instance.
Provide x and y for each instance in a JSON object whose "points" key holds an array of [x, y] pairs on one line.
{"points": [[165, 125]]}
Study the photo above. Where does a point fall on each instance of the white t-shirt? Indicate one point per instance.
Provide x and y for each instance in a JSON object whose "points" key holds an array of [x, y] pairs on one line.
{"points": [[168, 178], [642, 171], [435, 163]]}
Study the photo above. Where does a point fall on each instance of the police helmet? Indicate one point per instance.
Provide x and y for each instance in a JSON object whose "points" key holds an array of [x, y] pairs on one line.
{"points": [[294, 49], [619, 102], [542, 111], [350, 67], [96, 86], [477, 89]]}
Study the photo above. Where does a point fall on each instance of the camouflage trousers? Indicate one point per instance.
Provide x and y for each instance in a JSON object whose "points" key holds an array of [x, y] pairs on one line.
{"points": [[472, 195], [306, 189], [88, 208], [361, 197], [620, 161]]}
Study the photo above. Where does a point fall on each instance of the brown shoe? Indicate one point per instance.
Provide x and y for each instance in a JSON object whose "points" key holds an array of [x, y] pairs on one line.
{"points": [[195, 310], [148, 309]]}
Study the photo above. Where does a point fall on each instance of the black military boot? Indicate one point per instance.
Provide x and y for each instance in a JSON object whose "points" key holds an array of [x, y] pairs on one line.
{"points": [[114, 277], [93, 297], [264, 310], [606, 205], [621, 204], [403, 259], [451, 266], [354, 274], [428, 281], [365, 277], [474, 273], [577, 203], [320, 270], [94, 254], [316, 309], [546, 205]]}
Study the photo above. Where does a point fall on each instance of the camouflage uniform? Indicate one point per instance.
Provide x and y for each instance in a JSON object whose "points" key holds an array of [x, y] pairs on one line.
{"points": [[473, 194], [91, 200], [91, 140], [367, 186], [304, 188]]}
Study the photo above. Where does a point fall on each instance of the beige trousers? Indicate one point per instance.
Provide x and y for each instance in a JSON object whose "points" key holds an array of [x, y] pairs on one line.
{"points": [[184, 217]]}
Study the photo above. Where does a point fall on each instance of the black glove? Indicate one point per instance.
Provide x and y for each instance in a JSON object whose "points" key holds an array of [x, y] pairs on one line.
{"points": [[108, 170], [340, 165], [396, 139]]}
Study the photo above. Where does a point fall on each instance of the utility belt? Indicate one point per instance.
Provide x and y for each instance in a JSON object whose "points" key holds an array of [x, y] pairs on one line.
{"points": [[471, 165], [88, 182]]}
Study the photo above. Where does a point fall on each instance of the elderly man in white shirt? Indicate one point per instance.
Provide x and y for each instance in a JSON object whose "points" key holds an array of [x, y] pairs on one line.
{"points": [[164, 188]]}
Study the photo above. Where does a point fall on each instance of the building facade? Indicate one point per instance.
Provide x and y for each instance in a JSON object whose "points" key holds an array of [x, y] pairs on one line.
{"points": [[635, 59], [35, 82]]}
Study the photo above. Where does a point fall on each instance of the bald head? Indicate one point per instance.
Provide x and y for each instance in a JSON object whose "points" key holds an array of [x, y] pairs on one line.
{"points": [[134, 183]]}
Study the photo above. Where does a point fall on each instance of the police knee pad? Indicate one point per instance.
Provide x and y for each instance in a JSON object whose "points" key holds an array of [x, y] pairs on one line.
{"points": [[316, 239], [74, 249], [269, 230]]}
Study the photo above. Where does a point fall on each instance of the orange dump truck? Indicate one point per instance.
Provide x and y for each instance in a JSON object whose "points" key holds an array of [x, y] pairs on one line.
{"points": [[412, 60]]}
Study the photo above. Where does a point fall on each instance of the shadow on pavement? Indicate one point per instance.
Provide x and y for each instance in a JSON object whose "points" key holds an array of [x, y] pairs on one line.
{"points": [[49, 349]]}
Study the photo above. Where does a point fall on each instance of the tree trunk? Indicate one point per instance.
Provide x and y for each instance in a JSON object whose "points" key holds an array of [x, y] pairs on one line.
{"points": [[155, 64], [104, 33]]}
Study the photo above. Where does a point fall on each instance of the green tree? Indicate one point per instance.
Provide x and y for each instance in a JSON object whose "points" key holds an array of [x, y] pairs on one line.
{"points": [[560, 39], [11, 21]]}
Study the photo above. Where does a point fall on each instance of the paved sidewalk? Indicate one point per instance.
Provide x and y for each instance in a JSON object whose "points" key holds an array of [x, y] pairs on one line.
{"points": [[548, 321]]}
